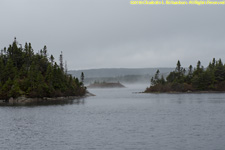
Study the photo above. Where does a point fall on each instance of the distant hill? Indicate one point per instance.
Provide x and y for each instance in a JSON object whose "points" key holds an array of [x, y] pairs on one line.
{"points": [[124, 75]]}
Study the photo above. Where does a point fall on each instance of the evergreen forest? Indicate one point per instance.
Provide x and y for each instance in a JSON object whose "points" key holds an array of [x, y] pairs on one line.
{"points": [[35, 75], [211, 78]]}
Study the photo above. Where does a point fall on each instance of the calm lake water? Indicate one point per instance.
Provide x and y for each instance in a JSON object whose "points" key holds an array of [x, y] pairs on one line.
{"points": [[118, 119]]}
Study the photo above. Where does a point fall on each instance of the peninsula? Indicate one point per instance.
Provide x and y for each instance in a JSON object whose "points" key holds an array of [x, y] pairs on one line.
{"points": [[198, 79], [26, 74]]}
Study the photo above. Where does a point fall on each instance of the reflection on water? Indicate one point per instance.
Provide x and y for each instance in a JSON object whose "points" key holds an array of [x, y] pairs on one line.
{"points": [[118, 119], [47, 103]]}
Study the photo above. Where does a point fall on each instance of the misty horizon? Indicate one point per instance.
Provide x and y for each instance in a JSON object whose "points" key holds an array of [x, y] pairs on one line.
{"points": [[115, 34]]}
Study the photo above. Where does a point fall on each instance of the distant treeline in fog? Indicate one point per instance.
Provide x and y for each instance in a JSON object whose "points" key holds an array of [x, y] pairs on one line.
{"points": [[124, 75]]}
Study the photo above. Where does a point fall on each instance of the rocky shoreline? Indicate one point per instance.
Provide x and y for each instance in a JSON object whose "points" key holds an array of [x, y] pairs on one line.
{"points": [[187, 92], [22, 100]]}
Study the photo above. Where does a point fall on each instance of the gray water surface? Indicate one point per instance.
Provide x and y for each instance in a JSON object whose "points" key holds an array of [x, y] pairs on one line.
{"points": [[118, 119]]}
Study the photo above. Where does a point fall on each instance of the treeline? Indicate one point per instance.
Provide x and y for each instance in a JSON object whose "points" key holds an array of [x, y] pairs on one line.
{"points": [[211, 78], [22, 72]]}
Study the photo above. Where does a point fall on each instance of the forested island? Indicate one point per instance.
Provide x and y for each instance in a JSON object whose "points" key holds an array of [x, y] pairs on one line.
{"points": [[24, 73], [198, 79], [106, 85]]}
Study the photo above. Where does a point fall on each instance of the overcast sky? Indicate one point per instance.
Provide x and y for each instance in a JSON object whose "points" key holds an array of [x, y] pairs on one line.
{"points": [[115, 34]]}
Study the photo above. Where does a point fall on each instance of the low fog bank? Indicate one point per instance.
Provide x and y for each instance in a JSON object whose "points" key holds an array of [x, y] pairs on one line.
{"points": [[129, 79], [140, 87], [117, 72], [129, 76], [134, 88]]}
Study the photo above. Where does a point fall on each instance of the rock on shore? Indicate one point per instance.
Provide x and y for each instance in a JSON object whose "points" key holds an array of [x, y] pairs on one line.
{"points": [[22, 100]]}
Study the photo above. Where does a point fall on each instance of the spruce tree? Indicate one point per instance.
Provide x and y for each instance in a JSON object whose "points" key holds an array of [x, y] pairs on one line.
{"points": [[82, 77], [61, 61]]}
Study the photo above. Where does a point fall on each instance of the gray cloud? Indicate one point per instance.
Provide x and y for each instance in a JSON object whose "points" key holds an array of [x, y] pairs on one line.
{"points": [[103, 33]]}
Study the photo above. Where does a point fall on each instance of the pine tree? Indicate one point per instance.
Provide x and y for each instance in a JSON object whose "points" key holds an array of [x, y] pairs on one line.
{"points": [[52, 59], [152, 81], [15, 90], [157, 75], [61, 61], [190, 71], [10, 71], [45, 51], [5, 89], [49, 75], [1, 69], [178, 68], [82, 77], [219, 71], [66, 69]]}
